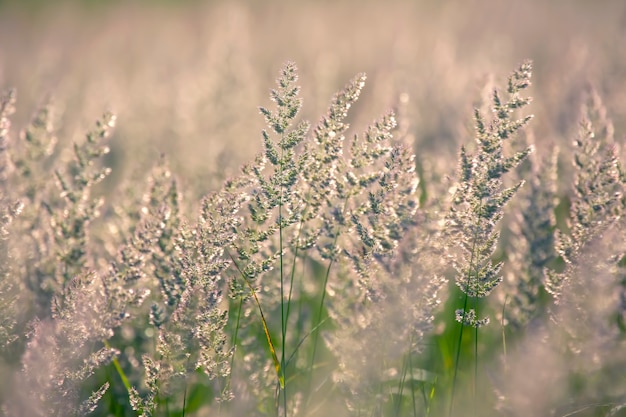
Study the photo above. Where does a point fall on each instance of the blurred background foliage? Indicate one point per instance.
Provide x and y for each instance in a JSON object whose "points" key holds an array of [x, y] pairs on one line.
{"points": [[186, 77]]}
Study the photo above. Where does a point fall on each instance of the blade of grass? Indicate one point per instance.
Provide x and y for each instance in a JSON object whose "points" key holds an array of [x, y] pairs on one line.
{"points": [[118, 368], [279, 373]]}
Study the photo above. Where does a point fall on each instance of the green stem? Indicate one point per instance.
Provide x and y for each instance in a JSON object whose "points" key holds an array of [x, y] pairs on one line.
{"points": [[406, 366], [292, 277], [119, 369], [323, 298], [429, 399], [412, 387], [299, 323], [465, 302], [304, 338], [283, 317], [279, 372], [458, 356], [398, 401], [316, 332], [319, 314], [184, 392], [504, 333], [475, 385]]}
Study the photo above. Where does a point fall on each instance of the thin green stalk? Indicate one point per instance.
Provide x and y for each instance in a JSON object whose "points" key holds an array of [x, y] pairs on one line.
{"points": [[279, 372], [184, 393], [304, 338], [412, 388], [405, 367], [458, 356], [429, 399], [283, 319], [475, 384], [319, 312], [316, 327], [475, 380], [465, 302], [291, 279], [299, 323], [321, 308], [319, 315], [292, 275], [503, 332], [398, 402], [235, 337], [118, 368]]}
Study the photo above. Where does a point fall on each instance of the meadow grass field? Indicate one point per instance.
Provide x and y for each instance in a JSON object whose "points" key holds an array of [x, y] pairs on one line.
{"points": [[312, 208]]}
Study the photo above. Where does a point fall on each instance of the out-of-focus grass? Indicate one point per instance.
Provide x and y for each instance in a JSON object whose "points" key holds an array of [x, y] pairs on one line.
{"points": [[185, 79]]}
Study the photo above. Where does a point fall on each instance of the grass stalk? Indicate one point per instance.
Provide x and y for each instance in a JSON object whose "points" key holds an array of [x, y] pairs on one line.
{"points": [[277, 365], [465, 304], [413, 401], [475, 382], [457, 358], [506, 298], [283, 313], [118, 368], [407, 367], [321, 309]]}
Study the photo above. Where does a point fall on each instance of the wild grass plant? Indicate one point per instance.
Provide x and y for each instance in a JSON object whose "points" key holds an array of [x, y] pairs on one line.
{"points": [[316, 280]]}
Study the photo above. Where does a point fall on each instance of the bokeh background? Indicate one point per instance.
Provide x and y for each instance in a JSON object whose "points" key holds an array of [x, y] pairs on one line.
{"points": [[186, 77]]}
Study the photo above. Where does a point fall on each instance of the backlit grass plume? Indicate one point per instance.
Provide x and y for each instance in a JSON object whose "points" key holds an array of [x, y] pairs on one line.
{"points": [[531, 244], [480, 196], [597, 200]]}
